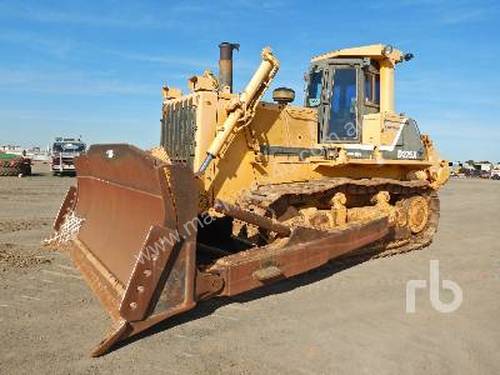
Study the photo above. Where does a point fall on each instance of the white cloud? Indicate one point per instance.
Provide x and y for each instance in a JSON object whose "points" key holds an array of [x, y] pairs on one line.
{"points": [[69, 83], [59, 47]]}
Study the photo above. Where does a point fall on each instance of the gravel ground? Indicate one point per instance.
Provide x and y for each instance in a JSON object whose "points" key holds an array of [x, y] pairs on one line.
{"points": [[329, 321]]}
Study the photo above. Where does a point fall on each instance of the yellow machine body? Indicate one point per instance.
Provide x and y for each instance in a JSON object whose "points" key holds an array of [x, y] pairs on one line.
{"points": [[242, 193], [280, 143]]}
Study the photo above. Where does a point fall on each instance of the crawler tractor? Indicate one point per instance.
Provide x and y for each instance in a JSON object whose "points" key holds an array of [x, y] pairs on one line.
{"points": [[242, 192]]}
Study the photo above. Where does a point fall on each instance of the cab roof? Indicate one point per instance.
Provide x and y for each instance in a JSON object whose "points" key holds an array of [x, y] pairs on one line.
{"points": [[374, 51]]}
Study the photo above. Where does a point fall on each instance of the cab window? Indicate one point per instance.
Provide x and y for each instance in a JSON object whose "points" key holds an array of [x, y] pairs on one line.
{"points": [[314, 90], [372, 88], [342, 123]]}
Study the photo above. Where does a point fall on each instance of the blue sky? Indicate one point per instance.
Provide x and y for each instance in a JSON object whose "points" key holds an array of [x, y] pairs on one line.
{"points": [[95, 68]]}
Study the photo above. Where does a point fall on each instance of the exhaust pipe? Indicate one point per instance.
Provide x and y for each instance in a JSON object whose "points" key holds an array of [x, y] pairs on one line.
{"points": [[226, 64]]}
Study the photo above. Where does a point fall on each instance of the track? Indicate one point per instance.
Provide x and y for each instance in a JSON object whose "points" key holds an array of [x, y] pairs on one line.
{"points": [[274, 200]]}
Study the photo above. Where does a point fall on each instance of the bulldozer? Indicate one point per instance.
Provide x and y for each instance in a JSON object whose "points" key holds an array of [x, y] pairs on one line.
{"points": [[243, 192]]}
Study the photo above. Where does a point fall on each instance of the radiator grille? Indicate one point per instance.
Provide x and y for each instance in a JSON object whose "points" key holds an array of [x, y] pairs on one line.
{"points": [[178, 128]]}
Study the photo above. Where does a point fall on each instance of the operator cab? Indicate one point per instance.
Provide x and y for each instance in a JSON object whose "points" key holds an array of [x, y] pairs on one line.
{"points": [[345, 85]]}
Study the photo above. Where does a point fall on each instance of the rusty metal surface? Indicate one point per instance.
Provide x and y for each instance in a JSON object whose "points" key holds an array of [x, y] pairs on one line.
{"points": [[305, 250], [67, 205], [208, 285], [226, 64], [178, 282], [178, 288], [175, 299], [103, 284], [268, 273], [119, 330], [120, 196], [149, 268], [249, 217], [136, 246]]}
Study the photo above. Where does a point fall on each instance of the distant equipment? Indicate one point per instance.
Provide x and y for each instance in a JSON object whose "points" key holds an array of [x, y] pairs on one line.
{"points": [[63, 153], [14, 165]]}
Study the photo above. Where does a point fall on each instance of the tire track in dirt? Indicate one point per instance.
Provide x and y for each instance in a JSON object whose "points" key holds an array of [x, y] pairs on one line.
{"points": [[16, 225], [11, 256]]}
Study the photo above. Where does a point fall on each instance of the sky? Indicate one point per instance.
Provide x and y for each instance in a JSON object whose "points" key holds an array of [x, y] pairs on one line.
{"points": [[96, 68]]}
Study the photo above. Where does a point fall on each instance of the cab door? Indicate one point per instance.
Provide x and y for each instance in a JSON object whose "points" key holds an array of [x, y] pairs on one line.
{"points": [[341, 123]]}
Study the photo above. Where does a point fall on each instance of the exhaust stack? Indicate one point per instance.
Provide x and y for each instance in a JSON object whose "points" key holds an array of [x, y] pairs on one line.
{"points": [[226, 64]]}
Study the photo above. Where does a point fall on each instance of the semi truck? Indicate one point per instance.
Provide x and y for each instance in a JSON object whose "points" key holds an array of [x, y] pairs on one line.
{"points": [[63, 153]]}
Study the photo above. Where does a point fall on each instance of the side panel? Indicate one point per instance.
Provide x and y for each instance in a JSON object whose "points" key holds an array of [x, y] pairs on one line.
{"points": [[206, 125], [281, 135]]}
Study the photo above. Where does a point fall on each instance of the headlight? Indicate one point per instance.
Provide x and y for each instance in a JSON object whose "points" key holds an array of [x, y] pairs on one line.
{"points": [[387, 50]]}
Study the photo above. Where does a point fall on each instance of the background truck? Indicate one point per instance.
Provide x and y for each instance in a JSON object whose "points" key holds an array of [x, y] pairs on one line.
{"points": [[63, 153], [495, 173]]}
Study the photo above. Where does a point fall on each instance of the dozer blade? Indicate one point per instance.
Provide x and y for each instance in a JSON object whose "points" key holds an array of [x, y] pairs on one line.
{"points": [[130, 227], [123, 226]]}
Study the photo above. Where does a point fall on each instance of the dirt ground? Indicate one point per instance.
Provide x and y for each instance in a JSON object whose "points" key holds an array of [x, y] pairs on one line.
{"points": [[330, 321]]}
